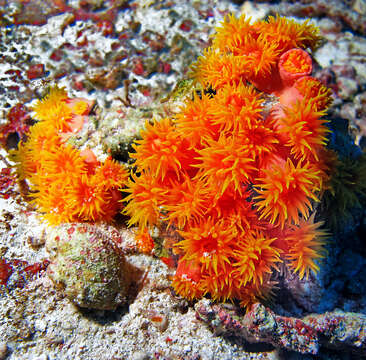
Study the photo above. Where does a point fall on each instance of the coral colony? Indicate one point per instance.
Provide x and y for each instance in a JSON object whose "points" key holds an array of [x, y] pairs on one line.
{"points": [[67, 184], [235, 174]]}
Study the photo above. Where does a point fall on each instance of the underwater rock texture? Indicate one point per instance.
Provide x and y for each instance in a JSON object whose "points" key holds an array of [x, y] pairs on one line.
{"points": [[336, 330]]}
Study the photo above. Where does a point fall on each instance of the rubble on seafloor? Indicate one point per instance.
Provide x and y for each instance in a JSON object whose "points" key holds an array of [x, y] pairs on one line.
{"points": [[128, 55], [336, 330]]}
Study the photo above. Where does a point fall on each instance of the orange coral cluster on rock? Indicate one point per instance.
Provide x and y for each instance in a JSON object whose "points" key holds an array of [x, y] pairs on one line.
{"points": [[236, 172], [67, 184]]}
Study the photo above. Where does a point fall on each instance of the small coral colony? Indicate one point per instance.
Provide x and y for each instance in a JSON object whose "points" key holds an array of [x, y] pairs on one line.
{"points": [[235, 174]]}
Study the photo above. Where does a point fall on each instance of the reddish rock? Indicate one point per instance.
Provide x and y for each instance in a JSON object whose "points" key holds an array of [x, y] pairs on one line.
{"points": [[186, 25], [106, 78], [5, 271], [335, 330], [106, 27], [35, 71], [16, 273], [36, 12], [139, 67], [15, 74], [57, 55], [18, 122], [7, 180], [164, 67]]}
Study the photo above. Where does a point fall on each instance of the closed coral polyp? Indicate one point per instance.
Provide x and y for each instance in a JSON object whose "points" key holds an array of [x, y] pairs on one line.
{"points": [[144, 241], [294, 64], [186, 280]]}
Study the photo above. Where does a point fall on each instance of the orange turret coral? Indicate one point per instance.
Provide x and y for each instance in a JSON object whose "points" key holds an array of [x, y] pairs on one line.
{"points": [[237, 170], [67, 184]]}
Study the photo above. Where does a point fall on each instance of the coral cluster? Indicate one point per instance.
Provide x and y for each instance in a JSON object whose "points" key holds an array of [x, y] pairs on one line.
{"points": [[237, 170], [66, 184]]}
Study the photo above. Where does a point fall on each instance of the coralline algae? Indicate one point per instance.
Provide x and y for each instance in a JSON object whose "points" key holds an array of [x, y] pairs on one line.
{"points": [[87, 266], [339, 330]]}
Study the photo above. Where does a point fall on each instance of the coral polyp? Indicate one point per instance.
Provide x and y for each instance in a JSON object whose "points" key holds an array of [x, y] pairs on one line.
{"points": [[209, 244], [237, 170], [226, 162], [233, 33], [161, 149], [288, 34], [238, 107], [217, 69], [285, 192], [305, 129], [305, 245], [56, 164], [146, 194], [195, 121], [60, 112], [186, 202], [257, 257], [46, 108]]}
